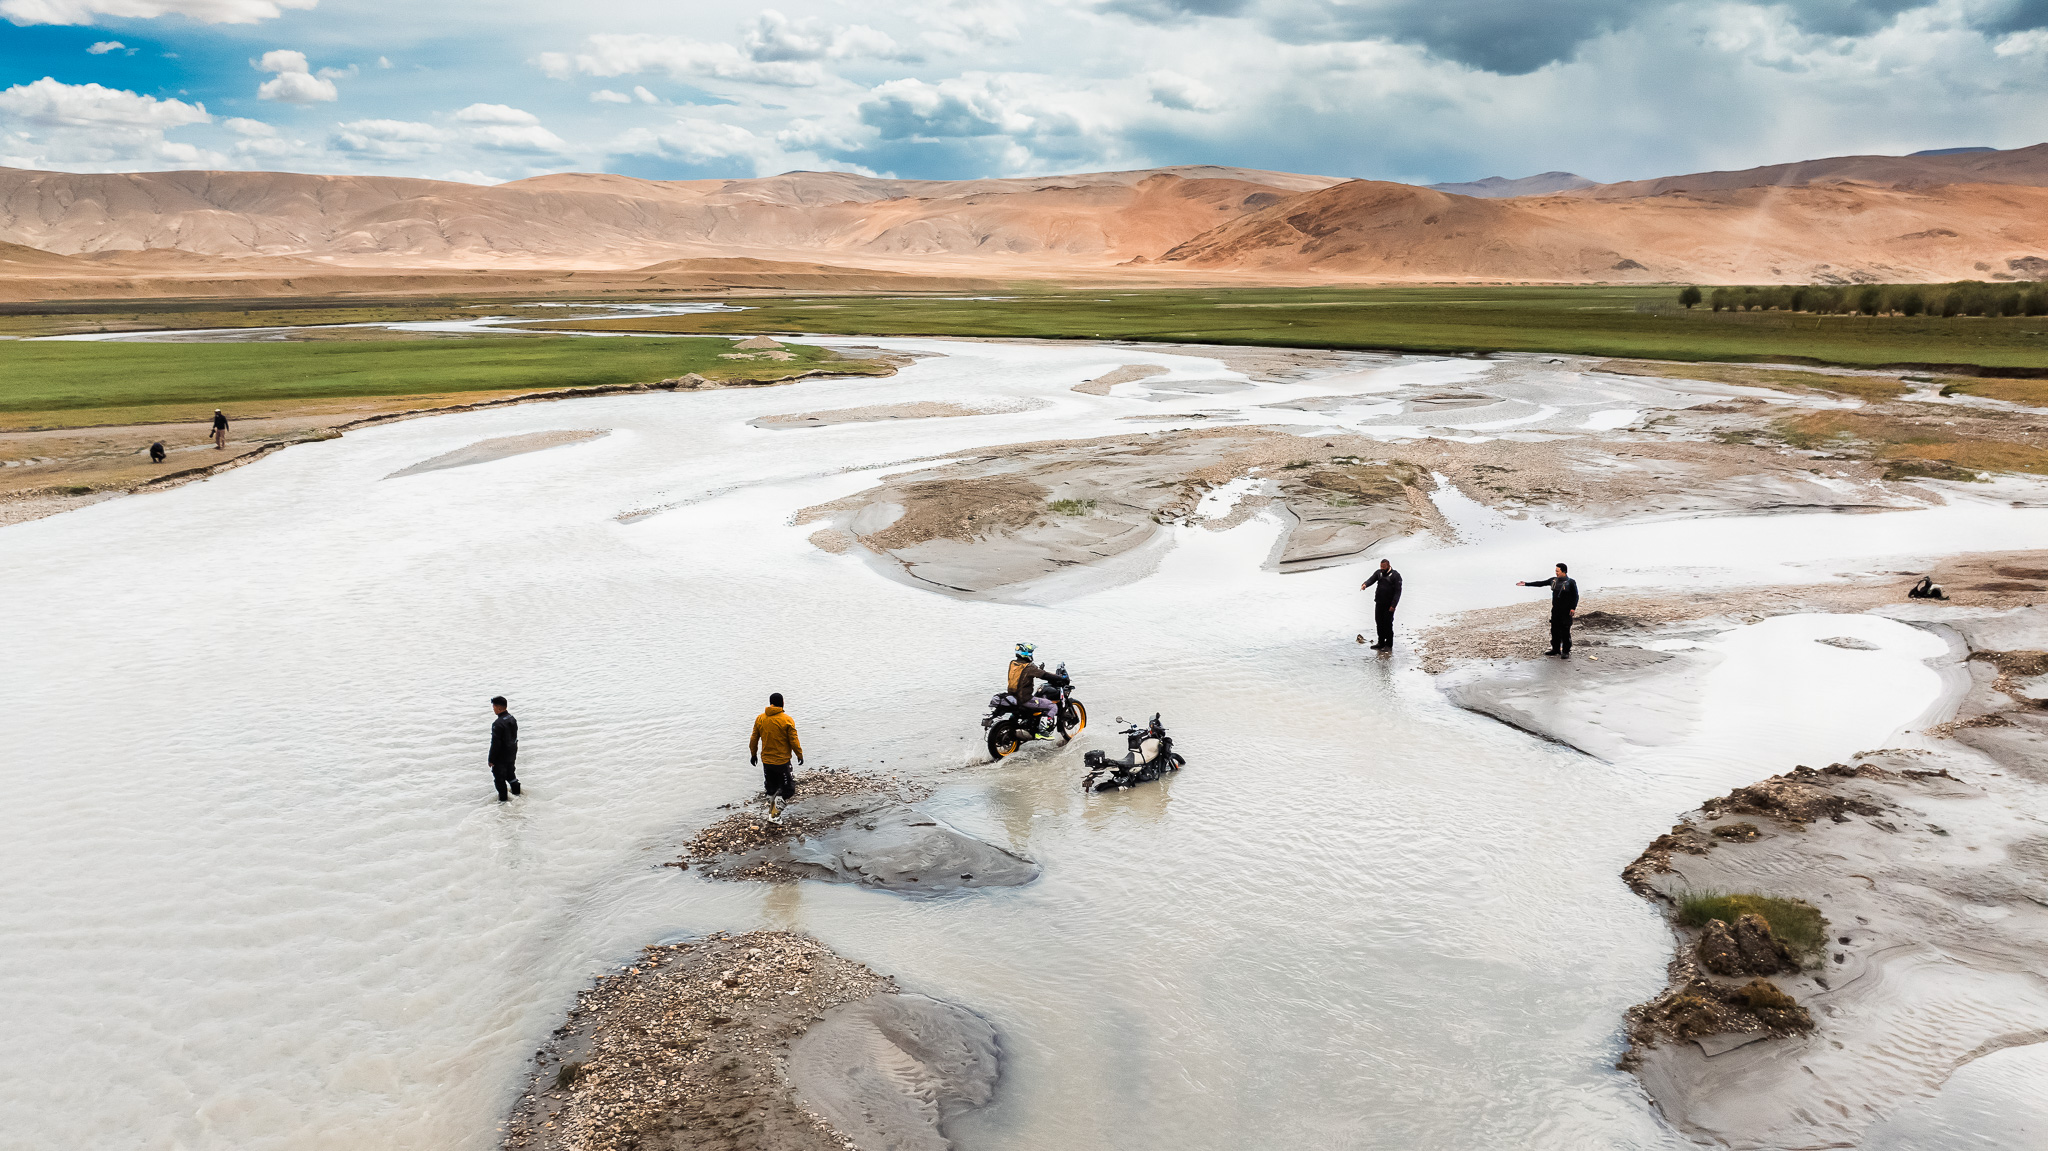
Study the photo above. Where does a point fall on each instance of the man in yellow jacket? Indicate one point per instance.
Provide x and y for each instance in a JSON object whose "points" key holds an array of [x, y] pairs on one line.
{"points": [[773, 742]]}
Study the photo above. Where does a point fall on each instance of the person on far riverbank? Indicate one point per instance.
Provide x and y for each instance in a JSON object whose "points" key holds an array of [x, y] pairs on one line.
{"points": [[773, 743], [220, 430], [504, 755], [1564, 604], [1386, 597]]}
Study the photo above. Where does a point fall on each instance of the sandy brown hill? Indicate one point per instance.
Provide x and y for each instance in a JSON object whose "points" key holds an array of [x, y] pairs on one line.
{"points": [[2028, 166], [1371, 229], [255, 233], [575, 220], [1820, 233], [16, 259]]}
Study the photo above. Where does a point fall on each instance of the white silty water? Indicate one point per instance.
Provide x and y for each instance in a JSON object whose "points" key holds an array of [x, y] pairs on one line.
{"points": [[260, 894]]}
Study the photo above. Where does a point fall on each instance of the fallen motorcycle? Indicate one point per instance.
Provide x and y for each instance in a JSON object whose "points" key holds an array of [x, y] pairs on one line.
{"points": [[1136, 766], [1011, 724]]}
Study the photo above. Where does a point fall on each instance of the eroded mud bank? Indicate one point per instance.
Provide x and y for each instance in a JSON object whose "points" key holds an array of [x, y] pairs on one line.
{"points": [[849, 828]]}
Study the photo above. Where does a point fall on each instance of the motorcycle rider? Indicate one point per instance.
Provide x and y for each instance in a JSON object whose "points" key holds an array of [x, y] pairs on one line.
{"points": [[1024, 674]]}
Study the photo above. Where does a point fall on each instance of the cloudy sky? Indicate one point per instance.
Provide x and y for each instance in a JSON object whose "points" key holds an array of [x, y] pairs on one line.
{"points": [[1412, 90]]}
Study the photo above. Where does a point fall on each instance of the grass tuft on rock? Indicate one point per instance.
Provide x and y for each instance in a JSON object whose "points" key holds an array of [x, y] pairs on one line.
{"points": [[1797, 922]]}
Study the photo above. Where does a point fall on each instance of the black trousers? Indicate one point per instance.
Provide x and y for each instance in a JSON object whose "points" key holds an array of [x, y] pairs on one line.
{"points": [[1561, 632], [1383, 619], [505, 776], [777, 780]]}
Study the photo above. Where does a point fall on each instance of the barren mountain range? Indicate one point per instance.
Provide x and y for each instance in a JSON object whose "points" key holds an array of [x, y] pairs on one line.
{"points": [[1973, 215]]}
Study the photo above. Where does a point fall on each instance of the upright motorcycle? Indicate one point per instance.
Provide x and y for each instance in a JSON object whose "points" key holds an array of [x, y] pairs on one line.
{"points": [[1010, 724], [1139, 765]]}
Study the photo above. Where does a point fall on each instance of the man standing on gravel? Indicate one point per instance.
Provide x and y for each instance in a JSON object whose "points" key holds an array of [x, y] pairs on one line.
{"points": [[1385, 598], [1564, 604], [504, 756], [220, 430], [773, 742]]}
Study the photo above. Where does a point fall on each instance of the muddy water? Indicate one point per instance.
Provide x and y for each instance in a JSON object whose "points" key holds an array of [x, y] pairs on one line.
{"points": [[260, 895]]}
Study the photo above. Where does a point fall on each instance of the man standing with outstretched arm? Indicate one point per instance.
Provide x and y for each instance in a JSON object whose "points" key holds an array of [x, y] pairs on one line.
{"points": [[773, 742], [1564, 604], [220, 430], [1385, 598], [504, 756]]}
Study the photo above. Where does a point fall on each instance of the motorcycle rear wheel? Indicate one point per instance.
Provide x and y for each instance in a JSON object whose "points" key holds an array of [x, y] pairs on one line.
{"points": [[1073, 718], [1003, 739]]}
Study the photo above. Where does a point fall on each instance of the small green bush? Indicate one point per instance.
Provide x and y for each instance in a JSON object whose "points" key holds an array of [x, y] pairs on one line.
{"points": [[1797, 922], [1073, 507]]}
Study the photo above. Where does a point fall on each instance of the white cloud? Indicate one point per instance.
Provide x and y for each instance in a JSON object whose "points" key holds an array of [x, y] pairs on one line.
{"points": [[203, 11], [105, 46], [386, 140], [527, 139], [963, 26], [49, 103], [297, 88], [465, 176], [503, 128], [383, 62], [776, 37], [644, 96], [1184, 93], [2023, 43], [241, 126], [496, 114], [700, 141], [294, 83], [86, 127], [607, 96], [627, 54]]}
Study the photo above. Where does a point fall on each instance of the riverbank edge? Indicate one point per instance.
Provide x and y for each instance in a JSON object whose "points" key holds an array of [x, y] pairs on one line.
{"points": [[50, 502]]}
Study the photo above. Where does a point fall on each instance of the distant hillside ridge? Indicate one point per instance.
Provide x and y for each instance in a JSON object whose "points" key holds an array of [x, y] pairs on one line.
{"points": [[1857, 219], [599, 220], [2026, 166], [1822, 233], [1501, 188]]}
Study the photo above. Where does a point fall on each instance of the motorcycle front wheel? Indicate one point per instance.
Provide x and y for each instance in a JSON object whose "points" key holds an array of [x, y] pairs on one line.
{"points": [[1003, 739], [1073, 718]]}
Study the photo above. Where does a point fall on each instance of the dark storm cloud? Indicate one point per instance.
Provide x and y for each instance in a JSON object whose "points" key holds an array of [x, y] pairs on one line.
{"points": [[1512, 37], [2014, 16]]}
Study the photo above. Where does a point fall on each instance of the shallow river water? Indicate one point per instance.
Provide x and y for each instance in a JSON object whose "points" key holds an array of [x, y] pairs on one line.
{"points": [[260, 894]]}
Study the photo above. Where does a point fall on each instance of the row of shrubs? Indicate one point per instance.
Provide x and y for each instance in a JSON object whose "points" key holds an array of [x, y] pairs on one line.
{"points": [[1962, 298]]}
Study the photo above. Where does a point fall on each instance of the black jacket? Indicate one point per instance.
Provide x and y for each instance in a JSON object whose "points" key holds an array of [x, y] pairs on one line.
{"points": [[1389, 592], [504, 741], [1564, 593]]}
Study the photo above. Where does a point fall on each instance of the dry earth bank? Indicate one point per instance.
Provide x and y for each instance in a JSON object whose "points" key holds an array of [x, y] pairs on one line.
{"points": [[765, 1041]]}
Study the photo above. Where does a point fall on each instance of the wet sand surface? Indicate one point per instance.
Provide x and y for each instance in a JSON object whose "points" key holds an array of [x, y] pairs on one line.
{"points": [[845, 827], [504, 447], [1930, 866]]}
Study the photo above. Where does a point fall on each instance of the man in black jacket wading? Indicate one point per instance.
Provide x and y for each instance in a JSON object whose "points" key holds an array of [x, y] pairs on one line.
{"points": [[1385, 598], [1564, 604], [504, 755]]}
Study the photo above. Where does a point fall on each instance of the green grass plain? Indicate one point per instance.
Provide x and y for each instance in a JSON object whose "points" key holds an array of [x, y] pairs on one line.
{"points": [[65, 376], [1634, 322]]}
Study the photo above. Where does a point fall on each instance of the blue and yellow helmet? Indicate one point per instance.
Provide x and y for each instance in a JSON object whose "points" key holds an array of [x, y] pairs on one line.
{"points": [[1026, 651]]}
